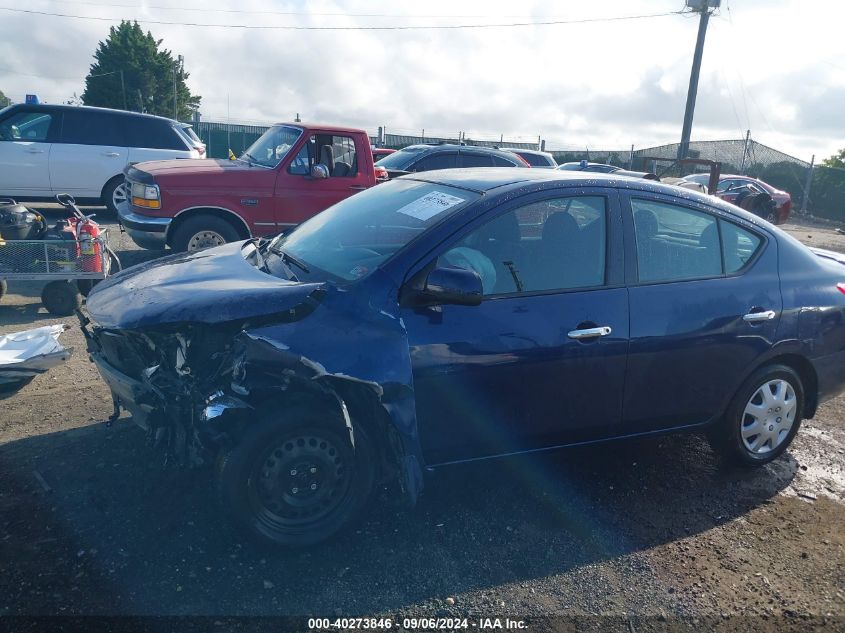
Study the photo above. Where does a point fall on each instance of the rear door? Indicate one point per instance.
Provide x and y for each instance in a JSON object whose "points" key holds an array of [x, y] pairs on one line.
{"points": [[91, 150], [705, 305], [25, 145]]}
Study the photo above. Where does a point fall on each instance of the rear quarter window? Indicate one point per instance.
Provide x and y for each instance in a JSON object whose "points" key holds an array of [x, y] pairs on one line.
{"points": [[153, 134]]}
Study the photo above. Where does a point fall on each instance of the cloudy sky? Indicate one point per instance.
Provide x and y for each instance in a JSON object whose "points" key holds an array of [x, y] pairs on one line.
{"points": [[774, 66]]}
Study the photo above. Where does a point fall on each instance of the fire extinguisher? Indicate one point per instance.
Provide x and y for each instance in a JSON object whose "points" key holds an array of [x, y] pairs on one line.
{"points": [[89, 247]]}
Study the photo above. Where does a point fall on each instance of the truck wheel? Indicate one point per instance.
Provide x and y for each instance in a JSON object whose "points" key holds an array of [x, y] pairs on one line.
{"points": [[203, 231], [298, 480], [115, 193], [61, 298]]}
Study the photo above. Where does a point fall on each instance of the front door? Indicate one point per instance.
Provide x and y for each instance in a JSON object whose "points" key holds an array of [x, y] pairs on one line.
{"points": [[25, 145], [299, 196], [705, 305], [541, 361]]}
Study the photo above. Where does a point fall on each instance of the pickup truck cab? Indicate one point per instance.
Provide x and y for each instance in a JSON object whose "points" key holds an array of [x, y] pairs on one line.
{"points": [[292, 172]]}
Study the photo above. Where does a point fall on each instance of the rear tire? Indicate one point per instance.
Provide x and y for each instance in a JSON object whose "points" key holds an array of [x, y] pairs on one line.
{"points": [[61, 298], [203, 231], [296, 480], [762, 419], [115, 192]]}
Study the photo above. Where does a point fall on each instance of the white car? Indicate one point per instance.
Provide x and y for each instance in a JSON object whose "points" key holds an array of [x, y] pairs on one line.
{"points": [[50, 149]]}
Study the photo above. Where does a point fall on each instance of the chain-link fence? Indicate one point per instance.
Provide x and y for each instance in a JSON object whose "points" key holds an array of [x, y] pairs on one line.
{"points": [[826, 185]]}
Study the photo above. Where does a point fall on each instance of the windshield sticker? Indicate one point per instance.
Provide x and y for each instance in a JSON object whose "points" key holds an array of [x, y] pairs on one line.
{"points": [[431, 204]]}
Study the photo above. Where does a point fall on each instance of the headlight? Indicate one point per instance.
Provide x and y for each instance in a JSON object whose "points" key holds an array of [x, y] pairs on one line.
{"points": [[146, 196]]}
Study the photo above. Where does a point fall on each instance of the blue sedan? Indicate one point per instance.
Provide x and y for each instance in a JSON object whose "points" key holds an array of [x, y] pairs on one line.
{"points": [[461, 315]]}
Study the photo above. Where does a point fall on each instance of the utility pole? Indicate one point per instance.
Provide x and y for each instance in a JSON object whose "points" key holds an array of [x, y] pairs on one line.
{"points": [[703, 7], [745, 152]]}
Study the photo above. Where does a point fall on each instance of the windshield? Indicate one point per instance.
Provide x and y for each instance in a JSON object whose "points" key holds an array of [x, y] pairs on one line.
{"points": [[272, 146], [351, 239], [401, 159]]}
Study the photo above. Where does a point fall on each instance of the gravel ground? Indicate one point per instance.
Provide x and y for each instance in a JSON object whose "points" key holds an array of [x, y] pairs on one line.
{"points": [[637, 532]]}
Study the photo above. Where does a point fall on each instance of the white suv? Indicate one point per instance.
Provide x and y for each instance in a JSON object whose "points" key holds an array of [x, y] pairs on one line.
{"points": [[51, 149]]}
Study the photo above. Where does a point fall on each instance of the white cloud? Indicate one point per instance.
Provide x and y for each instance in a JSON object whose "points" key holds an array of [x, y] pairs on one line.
{"points": [[773, 66]]}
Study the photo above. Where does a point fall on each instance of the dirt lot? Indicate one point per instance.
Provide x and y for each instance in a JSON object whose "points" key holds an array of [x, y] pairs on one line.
{"points": [[635, 530]]}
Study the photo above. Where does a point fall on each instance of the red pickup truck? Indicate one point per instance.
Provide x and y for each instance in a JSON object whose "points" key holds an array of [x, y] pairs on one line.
{"points": [[292, 172]]}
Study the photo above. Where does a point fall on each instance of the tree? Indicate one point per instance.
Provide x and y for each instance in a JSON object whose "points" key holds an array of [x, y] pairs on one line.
{"points": [[148, 73], [837, 160], [4, 100]]}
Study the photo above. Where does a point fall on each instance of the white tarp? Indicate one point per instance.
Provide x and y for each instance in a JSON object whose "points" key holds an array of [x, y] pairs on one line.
{"points": [[23, 355]]}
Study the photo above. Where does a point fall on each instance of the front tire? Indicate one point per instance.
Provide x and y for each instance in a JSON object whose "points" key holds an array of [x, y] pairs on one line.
{"points": [[762, 419], [201, 232], [296, 481], [115, 193]]}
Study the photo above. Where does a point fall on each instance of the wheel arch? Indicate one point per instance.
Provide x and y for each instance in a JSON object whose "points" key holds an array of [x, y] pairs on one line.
{"points": [[108, 182], [237, 222]]}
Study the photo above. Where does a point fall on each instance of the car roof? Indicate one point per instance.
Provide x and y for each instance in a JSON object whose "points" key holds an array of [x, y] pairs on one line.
{"points": [[322, 127], [434, 147], [52, 107], [486, 179], [519, 150]]}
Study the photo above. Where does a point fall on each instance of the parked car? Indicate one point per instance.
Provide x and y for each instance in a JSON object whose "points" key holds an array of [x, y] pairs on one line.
{"points": [[50, 149], [292, 172], [603, 168], [381, 152], [731, 185], [460, 315], [535, 158], [584, 165], [428, 157]]}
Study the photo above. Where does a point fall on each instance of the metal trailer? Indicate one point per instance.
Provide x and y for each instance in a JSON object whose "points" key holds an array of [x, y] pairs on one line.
{"points": [[70, 268]]}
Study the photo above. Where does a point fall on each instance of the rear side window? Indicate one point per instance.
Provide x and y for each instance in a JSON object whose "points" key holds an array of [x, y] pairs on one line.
{"points": [[85, 127], [476, 160], [675, 242], [440, 160], [152, 134], [535, 161], [499, 161], [26, 126]]}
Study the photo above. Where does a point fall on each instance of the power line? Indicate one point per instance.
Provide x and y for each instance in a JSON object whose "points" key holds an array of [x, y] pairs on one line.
{"points": [[289, 13], [406, 27], [17, 72]]}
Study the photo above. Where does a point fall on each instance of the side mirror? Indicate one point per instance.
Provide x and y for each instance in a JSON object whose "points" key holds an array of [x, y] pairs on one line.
{"points": [[450, 286], [319, 171]]}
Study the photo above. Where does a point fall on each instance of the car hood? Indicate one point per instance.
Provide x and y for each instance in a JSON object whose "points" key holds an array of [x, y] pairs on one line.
{"points": [[156, 170], [210, 286]]}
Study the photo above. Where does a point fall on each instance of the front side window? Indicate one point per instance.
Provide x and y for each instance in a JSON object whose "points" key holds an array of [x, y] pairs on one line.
{"points": [[337, 154], [675, 242], [26, 126], [272, 146], [556, 244]]}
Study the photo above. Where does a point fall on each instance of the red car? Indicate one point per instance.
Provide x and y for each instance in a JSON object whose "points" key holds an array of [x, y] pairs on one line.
{"points": [[731, 185], [381, 152]]}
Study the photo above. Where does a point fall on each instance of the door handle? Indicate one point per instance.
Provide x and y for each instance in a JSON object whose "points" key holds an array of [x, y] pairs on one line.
{"points": [[111, 154], [759, 317], [590, 332], [33, 150], [357, 187]]}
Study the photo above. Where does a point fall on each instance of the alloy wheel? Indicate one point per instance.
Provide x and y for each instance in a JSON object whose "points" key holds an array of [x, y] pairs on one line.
{"points": [[119, 195]]}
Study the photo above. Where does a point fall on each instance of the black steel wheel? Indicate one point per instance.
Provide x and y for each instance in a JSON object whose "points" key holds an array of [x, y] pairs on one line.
{"points": [[297, 482], [61, 298]]}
